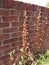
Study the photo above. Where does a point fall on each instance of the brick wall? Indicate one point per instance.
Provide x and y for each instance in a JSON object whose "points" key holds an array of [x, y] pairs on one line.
{"points": [[11, 27]]}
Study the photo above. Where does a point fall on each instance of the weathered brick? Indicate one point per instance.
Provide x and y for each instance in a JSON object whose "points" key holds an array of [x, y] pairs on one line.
{"points": [[0, 43], [6, 3], [10, 40], [10, 18], [17, 24], [27, 6], [10, 3], [0, 19], [29, 13], [20, 6], [6, 61], [3, 25], [4, 57], [34, 7], [31, 31], [10, 30], [21, 28], [21, 18], [1, 53], [14, 44], [15, 5], [5, 12], [43, 9], [34, 18], [14, 34], [47, 10], [17, 12], [1, 63], [0, 3], [4, 36], [9, 50], [19, 33], [41, 18], [4, 47], [29, 18], [3, 3], [32, 27], [0, 31], [20, 38]]}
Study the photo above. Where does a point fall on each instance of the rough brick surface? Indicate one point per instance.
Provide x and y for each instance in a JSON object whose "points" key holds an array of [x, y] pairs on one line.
{"points": [[11, 27]]}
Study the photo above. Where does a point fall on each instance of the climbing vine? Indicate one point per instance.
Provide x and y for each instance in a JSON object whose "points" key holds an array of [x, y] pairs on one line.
{"points": [[40, 31]]}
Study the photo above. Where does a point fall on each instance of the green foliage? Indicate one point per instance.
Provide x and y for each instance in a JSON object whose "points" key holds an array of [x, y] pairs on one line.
{"points": [[43, 58], [11, 54], [47, 4], [25, 59]]}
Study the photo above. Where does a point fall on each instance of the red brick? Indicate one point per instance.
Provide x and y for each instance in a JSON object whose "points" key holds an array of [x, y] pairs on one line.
{"points": [[47, 10], [31, 31], [14, 34], [48, 20], [0, 43], [1, 63], [0, 3], [14, 44], [19, 33], [6, 3], [15, 6], [43, 14], [1, 53], [10, 40], [9, 50], [20, 38], [4, 36], [21, 18], [30, 23], [10, 18], [17, 12], [21, 28], [16, 24], [6, 52], [4, 47], [3, 25], [5, 12], [41, 18], [4, 57], [0, 31], [20, 6], [0, 19], [27, 6], [29, 18], [6, 62], [34, 7], [10, 30], [47, 14], [3, 3], [29, 13], [10, 3], [32, 27], [43, 9], [34, 18]]}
